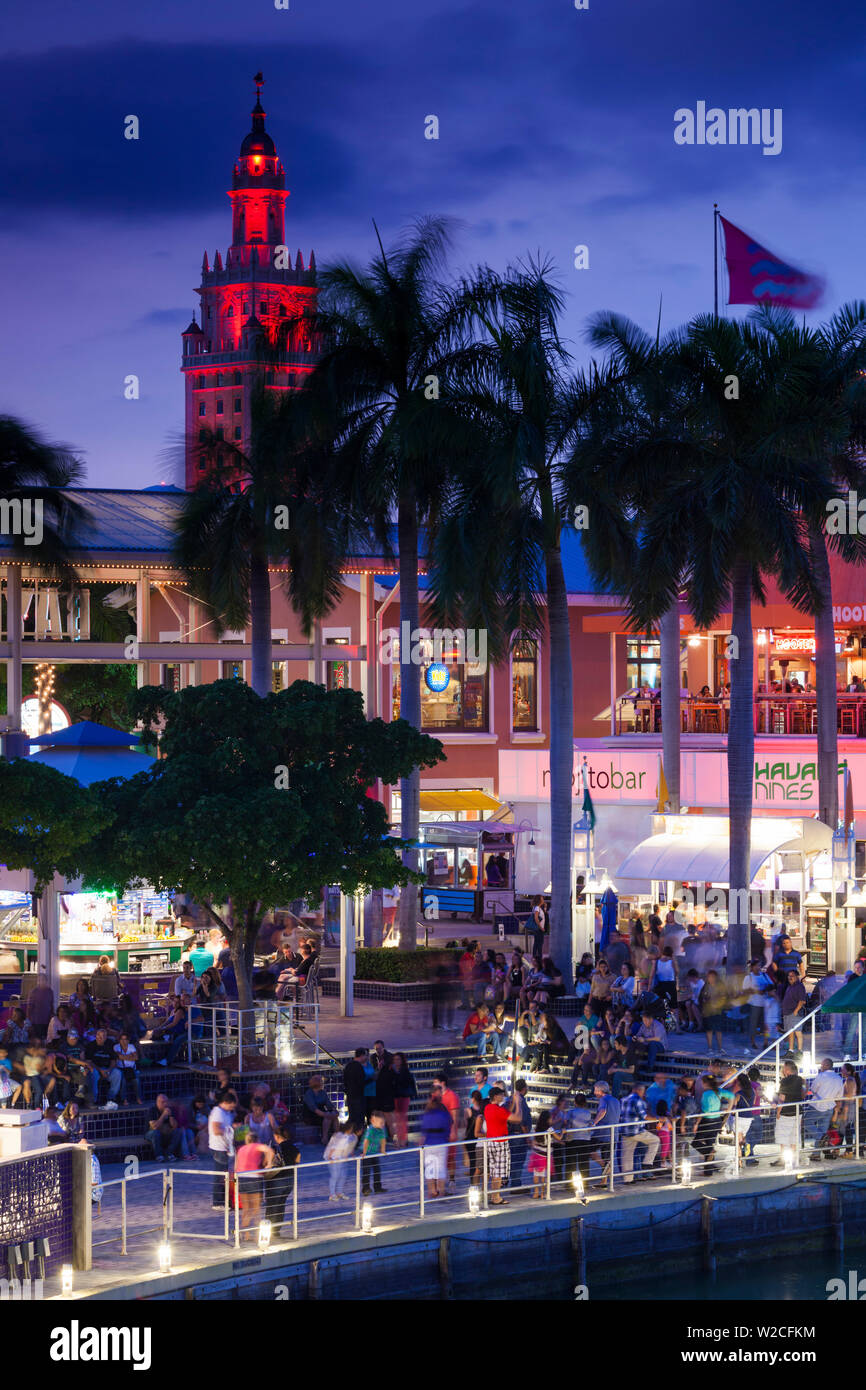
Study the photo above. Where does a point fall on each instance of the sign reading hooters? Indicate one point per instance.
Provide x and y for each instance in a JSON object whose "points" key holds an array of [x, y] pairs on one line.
{"points": [[850, 613]]}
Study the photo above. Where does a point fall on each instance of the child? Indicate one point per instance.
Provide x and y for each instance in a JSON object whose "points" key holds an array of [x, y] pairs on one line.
{"points": [[338, 1149], [538, 1154], [691, 1002], [664, 1130], [374, 1145], [7, 1085]]}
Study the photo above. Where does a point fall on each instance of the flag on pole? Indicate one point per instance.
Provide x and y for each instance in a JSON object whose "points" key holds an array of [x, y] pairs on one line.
{"points": [[849, 800], [588, 808], [757, 276], [663, 795]]}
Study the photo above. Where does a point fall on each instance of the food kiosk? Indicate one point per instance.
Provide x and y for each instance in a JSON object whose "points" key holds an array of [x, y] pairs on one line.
{"points": [[138, 932], [468, 867]]}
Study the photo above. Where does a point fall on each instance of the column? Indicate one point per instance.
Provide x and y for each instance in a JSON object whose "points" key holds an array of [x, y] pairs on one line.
{"points": [[13, 635], [48, 959], [142, 622]]}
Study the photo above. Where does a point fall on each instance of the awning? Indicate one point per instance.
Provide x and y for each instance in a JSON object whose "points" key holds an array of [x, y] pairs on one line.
{"points": [[469, 800], [695, 849], [850, 999]]}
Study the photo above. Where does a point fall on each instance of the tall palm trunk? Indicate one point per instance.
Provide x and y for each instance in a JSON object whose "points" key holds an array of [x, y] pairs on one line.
{"points": [[669, 633], [410, 706], [741, 764], [260, 625], [825, 682], [561, 765]]}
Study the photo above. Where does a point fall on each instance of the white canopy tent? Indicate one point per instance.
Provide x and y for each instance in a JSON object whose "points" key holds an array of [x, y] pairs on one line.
{"points": [[695, 849]]}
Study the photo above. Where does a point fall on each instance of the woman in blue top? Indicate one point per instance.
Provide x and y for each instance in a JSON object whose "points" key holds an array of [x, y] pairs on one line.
{"points": [[716, 1103], [369, 1089]]}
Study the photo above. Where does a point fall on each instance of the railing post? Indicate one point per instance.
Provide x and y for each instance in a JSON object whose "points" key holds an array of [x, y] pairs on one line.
{"points": [[814, 1044], [859, 1039], [226, 1186], [213, 1030], [188, 1040], [237, 1212], [241, 1013], [857, 1101], [316, 1007], [778, 1064], [295, 1201], [421, 1176], [674, 1154], [549, 1165], [123, 1216], [483, 1143], [800, 1118], [612, 1153], [357, 1194], [165, 1189]]}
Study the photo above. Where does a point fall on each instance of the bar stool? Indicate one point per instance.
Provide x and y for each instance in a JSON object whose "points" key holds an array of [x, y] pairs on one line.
{"points": [[847, 719], [798, 719], [813, 719], [777, 719], [712, 719]]}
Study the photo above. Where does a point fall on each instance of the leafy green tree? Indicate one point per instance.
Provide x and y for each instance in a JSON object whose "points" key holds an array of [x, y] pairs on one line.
{"points": [[256, 801], [47, 821]]}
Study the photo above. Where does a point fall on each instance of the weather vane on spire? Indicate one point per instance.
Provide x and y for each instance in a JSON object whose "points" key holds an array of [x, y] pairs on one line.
{"points": [[260, 82]]}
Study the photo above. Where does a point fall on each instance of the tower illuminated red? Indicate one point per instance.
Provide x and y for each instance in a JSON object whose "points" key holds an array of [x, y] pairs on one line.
{"points": [[245, 302]]}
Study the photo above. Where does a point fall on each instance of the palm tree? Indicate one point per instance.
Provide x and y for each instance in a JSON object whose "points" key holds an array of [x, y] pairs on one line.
{"points": [[258, 505], [387, 335], [733, 512], [498, 559], [39, 514], [833, 362], [645, 433]]}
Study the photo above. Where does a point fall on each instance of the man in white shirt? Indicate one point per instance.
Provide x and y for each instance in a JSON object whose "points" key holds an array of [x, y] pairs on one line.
{"points": [[185, 982], [221, 1143], [826, 1089]]}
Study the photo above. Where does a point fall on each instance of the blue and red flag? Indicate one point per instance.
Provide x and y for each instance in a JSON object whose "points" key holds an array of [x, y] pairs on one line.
{"points": [[757, 276]]}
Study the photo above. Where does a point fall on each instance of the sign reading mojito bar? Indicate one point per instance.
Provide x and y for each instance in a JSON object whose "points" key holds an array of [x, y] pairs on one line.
{"points": [[784, 776]]}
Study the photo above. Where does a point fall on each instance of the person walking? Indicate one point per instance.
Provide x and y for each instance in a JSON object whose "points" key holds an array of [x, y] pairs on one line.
{"points": [[540, 926], [436, 1127], [338, 1151], [250, 1162], [279, 1179], [788, 1110], [824, 1094], [473, 1129], [221, 1143]]}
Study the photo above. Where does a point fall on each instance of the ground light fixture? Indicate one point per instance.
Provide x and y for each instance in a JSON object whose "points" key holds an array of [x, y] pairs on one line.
{"points": [[367, 1218], [163, 1255], [686, 1171], [474, 1200], [579, 1188], [66, 1279], [265, 1232], [788, 1160]]}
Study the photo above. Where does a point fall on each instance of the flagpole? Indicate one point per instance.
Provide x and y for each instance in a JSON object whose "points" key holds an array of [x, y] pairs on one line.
{"points": [[716, 259]]}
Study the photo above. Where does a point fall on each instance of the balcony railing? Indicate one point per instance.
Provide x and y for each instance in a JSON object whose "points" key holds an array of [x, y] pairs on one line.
{"points": [[774, 714]]}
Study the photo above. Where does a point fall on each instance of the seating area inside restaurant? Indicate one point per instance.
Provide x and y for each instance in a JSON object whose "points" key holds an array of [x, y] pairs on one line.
{"points": [[785, 700]]}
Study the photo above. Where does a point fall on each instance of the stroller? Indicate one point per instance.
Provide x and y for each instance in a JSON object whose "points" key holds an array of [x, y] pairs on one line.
{"points": [[648, 1002]]}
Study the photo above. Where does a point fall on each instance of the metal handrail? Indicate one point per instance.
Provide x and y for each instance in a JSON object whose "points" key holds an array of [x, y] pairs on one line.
{"points": [[776, 1045]]}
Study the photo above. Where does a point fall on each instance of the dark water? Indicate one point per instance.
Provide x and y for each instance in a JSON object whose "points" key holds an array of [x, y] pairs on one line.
{"points": [[788, 1278]]}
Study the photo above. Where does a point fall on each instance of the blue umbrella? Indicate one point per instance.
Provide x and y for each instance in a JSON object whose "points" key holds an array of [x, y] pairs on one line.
{"points": [[609, 905]]}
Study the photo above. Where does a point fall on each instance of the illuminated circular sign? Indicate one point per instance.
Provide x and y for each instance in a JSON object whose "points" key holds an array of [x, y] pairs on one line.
{"points": [[437, 677], [30, 717]]}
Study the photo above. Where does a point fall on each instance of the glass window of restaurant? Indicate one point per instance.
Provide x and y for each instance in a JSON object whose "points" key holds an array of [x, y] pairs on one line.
{"points": [[461, 706], [643, 662], [439, 867], [524, 686]]}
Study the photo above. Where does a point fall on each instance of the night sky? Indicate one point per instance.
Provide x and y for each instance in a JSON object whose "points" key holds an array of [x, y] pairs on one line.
{"points": [[556, 128]]}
